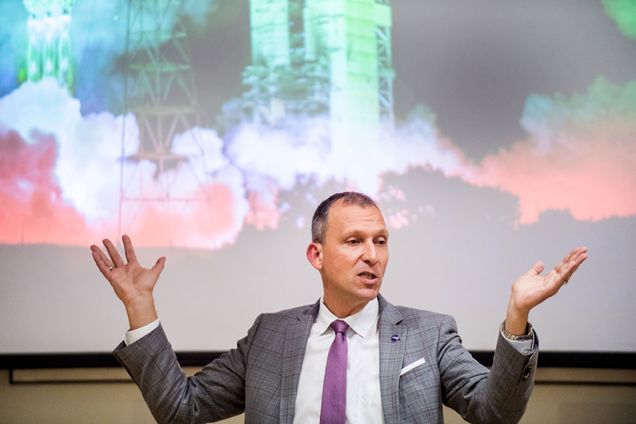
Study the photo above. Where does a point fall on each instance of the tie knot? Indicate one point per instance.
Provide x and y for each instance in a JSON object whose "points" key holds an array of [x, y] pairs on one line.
{"points": [[339, 326]]}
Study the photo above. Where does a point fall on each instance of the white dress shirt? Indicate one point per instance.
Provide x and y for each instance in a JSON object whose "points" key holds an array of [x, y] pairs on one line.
{"points": [[364, 403]]}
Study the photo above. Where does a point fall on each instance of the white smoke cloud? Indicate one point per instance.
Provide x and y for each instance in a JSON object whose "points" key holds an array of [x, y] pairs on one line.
{"points": [[203, 148], [90, 171], [280, 155], [219, 185], [305, 152], [88, 152], [43, 106]]}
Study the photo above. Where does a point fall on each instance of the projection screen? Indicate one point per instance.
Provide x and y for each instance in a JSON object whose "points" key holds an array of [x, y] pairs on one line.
{"points": [[491, 134]]}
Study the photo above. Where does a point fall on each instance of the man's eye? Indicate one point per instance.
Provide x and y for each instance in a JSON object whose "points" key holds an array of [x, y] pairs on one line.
{"points": [[353, 241], [380, 241]]}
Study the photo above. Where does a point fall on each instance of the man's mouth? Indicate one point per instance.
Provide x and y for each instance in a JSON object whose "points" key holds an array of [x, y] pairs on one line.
{"points": [[368, 275]]}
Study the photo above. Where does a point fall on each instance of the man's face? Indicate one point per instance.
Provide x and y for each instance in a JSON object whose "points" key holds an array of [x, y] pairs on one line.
{"points": [[352, 257]]}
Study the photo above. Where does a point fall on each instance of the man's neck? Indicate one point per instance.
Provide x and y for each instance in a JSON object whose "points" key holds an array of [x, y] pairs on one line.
{"points": [[345, 310]]}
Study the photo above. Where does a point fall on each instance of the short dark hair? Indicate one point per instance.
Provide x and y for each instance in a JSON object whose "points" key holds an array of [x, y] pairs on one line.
{"points": [[319, 220]]}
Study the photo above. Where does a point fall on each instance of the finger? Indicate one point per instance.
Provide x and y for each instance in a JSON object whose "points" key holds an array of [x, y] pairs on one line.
{"points": [[565, 260], [112, 252], [573, 259], [560, 274], [128, 249], [570, 254], [97, 251], [158, 266], [564, 266], [103, 267], [578, 258], [574, 265], [564, 273], [536, 269], [580, 252]]}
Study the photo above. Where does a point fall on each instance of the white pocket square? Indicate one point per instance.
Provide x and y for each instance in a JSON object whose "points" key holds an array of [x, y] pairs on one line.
{"points": [[412, 365]]}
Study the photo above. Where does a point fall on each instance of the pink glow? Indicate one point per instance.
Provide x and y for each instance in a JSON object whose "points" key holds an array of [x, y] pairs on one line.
{"points": [[580, 155], [33, 210], [201, 223], [263, 213], [593, 178], [399, 219]]}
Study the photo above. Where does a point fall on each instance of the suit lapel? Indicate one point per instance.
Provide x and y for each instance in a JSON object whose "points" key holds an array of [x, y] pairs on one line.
{"points": [[391, 358], [296, 336]]}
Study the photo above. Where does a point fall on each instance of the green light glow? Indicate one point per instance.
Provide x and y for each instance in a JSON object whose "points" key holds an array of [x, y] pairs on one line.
{"points": [[269, 21], [49, 45], [624, 13], [345, 31]]}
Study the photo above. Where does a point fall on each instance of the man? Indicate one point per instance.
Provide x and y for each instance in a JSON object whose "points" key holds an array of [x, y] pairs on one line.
{"points": [[351, 357]]}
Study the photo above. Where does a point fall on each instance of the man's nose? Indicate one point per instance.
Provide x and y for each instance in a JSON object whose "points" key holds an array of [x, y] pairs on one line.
{"points": [[370, 254]]}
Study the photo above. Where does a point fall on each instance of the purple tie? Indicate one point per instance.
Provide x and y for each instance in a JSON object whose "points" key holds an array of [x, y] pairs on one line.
{"points": [[334, 389]]}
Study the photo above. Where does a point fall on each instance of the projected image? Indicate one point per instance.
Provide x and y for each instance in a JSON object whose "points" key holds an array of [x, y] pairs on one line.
{"points": [[104, 129], [491, 134]]}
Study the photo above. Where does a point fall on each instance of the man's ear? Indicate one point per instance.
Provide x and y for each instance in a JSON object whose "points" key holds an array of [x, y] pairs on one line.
{"points": [[314, 254]]}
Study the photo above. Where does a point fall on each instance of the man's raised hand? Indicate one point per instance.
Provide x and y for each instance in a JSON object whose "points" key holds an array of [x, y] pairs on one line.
{"points": [[532, 288], [132, 283]]}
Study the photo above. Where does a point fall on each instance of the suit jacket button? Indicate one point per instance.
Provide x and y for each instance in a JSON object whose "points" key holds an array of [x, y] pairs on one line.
{"points": [[526, 373]]}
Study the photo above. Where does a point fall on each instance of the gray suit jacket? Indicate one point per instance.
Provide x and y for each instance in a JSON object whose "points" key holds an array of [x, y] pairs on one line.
{"points": [[260, 376]]}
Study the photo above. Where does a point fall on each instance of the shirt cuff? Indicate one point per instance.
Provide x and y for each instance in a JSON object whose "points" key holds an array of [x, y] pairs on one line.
{"points": [[525, 347], [133, 335]]}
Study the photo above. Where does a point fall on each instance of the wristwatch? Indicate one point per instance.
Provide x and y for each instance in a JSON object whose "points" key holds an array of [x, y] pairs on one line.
{"points": [[510, 336]]}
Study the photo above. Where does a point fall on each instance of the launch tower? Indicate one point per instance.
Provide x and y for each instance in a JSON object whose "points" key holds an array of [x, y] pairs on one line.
{"points": [[317, 56]]}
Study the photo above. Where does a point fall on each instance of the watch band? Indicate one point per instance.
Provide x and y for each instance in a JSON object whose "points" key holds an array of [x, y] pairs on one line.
{"points": [[510, 336]]}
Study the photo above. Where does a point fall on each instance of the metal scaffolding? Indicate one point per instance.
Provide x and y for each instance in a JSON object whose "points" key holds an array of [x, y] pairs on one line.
{"points": [[159, 91], [160, 88]]}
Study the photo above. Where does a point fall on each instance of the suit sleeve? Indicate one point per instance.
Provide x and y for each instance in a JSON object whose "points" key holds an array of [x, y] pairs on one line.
{"points": [[216, 392], [478, 395]]}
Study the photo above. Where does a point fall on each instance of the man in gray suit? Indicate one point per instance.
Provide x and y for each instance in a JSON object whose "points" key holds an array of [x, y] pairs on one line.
{"points": [[401, 365]]}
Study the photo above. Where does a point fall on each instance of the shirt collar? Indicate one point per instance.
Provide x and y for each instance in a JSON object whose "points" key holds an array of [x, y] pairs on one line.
{"points": [[363, 323]]}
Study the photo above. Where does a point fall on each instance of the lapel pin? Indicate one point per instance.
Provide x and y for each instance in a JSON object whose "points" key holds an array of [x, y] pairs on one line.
{"points": [[395, 338]]}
